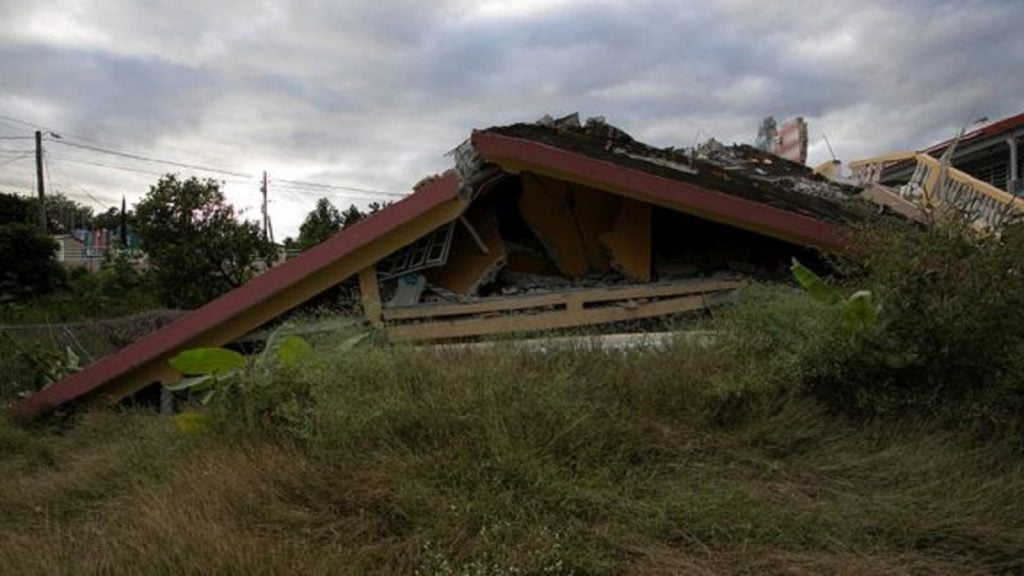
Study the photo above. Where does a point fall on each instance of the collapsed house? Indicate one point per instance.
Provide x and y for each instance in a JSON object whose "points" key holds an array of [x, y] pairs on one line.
{"points": [[554, 224]]}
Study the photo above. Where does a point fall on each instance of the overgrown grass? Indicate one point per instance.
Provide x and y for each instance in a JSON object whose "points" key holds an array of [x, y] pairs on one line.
{"points": [[793, 444], [511, 462]]}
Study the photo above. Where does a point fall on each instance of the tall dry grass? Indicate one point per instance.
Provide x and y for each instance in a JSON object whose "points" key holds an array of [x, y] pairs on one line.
{"points": [[512, 462]]}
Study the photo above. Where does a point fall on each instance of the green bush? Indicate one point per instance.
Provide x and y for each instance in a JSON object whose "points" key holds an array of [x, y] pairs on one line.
{"points": [[776, 340], [118, 288], [945, 340], [28, 265], [950, 341]]}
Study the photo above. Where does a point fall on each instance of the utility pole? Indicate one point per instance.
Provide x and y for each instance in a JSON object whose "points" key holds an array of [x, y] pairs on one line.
{"points": [[263, 189], [39, 180]]}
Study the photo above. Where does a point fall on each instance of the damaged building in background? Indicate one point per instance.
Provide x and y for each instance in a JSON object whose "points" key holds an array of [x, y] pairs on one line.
{"points": [[538, 226], [976, 172]]}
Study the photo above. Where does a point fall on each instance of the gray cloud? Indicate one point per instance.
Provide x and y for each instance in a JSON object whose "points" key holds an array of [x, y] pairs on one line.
{"points": [[373, 94]]}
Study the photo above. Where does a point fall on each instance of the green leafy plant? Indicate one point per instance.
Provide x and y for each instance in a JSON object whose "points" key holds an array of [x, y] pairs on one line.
{"points": [[860, 313], [272, 388], [204, 369]]}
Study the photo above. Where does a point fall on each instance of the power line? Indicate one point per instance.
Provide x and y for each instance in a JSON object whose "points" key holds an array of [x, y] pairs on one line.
{"points": [[46, 164], [78, 160], [151, 159], [100, 164], [123, 154], [300, 183], [15, 159], [17, 150], [311, 193], [22, 122], [9, 153], [70, 135]]}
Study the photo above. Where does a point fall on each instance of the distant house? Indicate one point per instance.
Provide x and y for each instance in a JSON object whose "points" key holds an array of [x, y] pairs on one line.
{"points": [[88, 248], [72, 252]]}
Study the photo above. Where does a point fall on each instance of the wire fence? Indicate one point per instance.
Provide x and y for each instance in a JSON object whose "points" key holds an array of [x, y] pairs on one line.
{"points": [[31, 355]]}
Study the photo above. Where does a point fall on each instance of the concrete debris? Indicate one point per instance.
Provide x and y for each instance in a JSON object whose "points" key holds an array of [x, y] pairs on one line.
{"points": [[531, 232], [471, 169], [569, 122], [674, 165]]}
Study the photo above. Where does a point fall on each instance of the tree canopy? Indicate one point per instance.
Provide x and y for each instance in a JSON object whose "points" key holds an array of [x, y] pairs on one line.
{"points": [[320, 224], [28, 264], [197, 247], [325, 220]]}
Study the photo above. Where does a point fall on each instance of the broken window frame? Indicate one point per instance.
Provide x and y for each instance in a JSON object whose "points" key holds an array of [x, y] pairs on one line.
{"points": [[429, 251]]}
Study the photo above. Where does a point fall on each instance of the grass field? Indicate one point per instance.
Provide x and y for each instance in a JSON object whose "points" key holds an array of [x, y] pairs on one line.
{"points": [[398, 461]]}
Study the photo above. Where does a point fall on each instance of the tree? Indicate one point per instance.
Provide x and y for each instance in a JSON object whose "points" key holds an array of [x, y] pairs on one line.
{"points": [[28, 264], [320, 224], [111, 219], [62, 213], [197, 248], [351, 216], [375, 207], [14, 208]]}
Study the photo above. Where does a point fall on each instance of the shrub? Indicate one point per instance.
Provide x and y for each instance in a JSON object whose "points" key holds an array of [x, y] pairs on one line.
{"points": [[773, 334], [950, 341], [28, 265], [945, 338]]}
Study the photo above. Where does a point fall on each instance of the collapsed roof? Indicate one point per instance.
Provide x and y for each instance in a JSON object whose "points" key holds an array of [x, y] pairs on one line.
{"points": [[546, 225]]}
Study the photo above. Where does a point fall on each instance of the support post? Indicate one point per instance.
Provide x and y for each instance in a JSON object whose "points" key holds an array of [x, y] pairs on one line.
{"points": [[1011, 183], [369, 292]]}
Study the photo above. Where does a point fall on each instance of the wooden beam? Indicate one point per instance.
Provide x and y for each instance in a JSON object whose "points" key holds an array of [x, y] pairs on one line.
{"points": [[369, 292], [568, 318], [592, 295]]}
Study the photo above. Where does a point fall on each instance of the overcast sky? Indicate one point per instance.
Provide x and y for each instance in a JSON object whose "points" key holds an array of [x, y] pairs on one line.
{"points": [[373, 94]]}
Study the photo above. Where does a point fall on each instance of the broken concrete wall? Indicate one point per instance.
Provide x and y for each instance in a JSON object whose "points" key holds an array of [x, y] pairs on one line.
{"points": [[568, 219], [477, 252], [629, 241]]}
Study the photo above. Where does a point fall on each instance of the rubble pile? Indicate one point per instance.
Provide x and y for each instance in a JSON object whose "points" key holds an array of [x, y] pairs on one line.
{"points": [[530, 233]]}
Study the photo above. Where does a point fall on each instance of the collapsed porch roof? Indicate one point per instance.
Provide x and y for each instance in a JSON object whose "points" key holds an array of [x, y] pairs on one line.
{"points": [[758, 193]]}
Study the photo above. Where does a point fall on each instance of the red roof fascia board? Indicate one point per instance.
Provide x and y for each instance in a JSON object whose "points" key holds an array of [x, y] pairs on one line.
{"points": [[678, 195], [193, 326]]}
